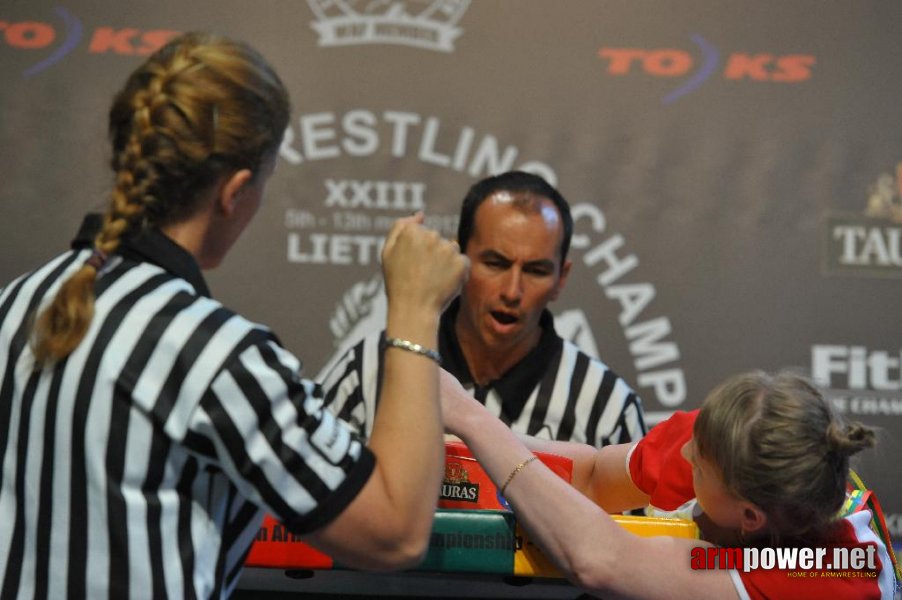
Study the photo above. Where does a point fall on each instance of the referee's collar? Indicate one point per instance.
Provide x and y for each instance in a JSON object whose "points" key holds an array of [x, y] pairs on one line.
{"points": [[515, 385], [150, 245]]}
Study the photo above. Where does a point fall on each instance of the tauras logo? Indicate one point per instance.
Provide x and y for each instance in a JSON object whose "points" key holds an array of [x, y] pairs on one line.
{"points": [[465, 492], [456, 484], [869, 244], [427, 24]]}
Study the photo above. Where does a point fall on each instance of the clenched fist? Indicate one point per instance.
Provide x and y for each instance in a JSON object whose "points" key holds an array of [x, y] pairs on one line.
{"points": [[421, 269]]}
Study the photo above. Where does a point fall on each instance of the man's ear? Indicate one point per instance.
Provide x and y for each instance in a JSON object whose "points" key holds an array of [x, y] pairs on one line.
{"points": [[230, 191], [752, 518], [562, 281]]}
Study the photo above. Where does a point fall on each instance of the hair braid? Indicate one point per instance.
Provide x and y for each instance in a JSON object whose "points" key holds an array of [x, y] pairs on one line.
{"points": [[64, 323], [198, 108]]}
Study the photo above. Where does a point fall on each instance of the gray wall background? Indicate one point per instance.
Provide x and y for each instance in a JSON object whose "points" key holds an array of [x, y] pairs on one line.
{"points": [[735, 169]]}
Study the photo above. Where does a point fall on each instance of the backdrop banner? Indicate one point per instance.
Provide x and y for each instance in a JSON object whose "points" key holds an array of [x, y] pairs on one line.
{"points": [[735, 170]]}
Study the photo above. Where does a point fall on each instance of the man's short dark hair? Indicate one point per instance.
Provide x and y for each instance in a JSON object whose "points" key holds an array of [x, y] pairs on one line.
{"points": [[514, 182]]}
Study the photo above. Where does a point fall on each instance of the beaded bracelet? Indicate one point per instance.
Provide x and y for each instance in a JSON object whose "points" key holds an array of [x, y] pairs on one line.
{"points": [[516, 470], [413, 347]]}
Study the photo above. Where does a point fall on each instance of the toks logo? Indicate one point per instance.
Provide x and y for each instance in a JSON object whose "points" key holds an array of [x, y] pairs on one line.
{"points": [[62, 38], [738, 66]]}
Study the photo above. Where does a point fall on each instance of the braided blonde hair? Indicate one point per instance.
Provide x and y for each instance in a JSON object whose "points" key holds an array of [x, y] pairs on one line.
{"points": [[200, 107]]}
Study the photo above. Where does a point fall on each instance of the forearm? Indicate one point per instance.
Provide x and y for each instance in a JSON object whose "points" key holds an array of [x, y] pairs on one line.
{"points": [[387, 524], [586, 544], [407, 430], [582, 457], [598, 473], [557, 515], [390, 519]]}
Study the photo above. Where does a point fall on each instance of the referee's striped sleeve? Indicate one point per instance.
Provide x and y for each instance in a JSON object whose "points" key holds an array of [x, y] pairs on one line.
{"points": [[278, 443], [351, 384]]}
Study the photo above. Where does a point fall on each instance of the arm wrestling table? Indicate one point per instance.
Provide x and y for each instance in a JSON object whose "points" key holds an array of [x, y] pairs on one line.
{"points": [[476, 550]]}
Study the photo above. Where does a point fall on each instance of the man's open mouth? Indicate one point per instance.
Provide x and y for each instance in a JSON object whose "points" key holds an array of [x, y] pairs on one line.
{"points": [[504, 318]]}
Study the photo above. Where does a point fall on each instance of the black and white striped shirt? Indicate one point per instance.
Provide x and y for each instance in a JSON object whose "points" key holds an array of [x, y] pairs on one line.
{"points": [[141, 464], [556, 392]]}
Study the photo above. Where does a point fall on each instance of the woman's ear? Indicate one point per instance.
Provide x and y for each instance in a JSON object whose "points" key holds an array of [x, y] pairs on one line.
{"points": [[230, 191], [752, 519]]}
